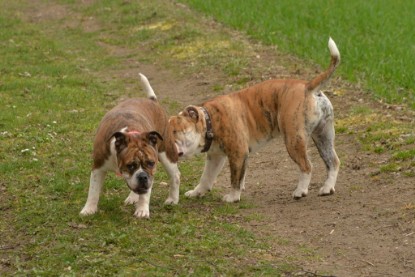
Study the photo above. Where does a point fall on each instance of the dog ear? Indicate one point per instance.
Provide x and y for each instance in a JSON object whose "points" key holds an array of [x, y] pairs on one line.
{"points": [[121, 141], [154, 138], [193, 113]]}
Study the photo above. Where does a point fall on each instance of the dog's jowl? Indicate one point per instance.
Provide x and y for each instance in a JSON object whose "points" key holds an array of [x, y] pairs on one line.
{"points": [[234, 125]]}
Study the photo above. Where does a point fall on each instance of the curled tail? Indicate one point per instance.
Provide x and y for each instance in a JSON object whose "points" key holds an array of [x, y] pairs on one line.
{"points": [[323, 77], [147, 87]]}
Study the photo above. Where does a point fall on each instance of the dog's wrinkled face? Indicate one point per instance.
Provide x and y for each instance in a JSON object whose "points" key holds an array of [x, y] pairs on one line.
{"points": [[188, 131], [137, 158]]}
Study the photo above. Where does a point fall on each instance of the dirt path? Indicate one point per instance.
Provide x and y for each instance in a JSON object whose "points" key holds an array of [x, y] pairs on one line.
{"points": [[362, 230], [365, 229]]}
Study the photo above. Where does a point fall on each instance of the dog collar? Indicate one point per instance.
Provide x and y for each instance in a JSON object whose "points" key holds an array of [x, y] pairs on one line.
{"points": [[209, 132]]}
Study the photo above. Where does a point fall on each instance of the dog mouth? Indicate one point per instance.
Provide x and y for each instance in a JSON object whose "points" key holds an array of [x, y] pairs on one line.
{"points": [[143, 182], [139, 183], [183, 156], [182, 152], [189, 153], [140, 190]]}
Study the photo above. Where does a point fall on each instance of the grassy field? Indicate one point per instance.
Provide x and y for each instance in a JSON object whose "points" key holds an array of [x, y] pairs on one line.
{"points": [[375, 38], [54, 87], [57, 66]]}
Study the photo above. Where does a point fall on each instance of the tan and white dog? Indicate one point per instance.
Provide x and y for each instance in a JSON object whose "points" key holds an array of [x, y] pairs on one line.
{"points": [[237, 124], [130, 140]]}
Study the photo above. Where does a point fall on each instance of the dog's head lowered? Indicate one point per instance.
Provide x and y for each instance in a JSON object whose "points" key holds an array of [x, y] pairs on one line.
{"points": [[137, 158], [189, 131]]}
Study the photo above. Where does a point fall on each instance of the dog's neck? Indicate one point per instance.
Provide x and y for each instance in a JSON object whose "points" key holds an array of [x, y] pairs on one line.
{"points": [[209, 132]]}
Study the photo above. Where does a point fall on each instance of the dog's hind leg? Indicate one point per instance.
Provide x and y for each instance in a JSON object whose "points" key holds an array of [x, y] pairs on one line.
{"points": [[95, 186], [174, 175], [213, 165], [323, 137], [297, 149]]}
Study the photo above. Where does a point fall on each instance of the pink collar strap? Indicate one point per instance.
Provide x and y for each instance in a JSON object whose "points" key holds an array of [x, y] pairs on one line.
{"points": [[133, 132]]}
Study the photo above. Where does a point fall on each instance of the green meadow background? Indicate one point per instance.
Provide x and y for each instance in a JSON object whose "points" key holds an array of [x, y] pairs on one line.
{"points": [[376, 38]]}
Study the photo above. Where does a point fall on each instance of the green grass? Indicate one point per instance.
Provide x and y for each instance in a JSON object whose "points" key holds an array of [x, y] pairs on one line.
{"points": [[405, 155], [54, 88], [380, 133], [375, 38]]}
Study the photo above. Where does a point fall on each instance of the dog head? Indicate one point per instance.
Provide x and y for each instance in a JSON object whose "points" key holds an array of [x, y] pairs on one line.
{"points": [[137, 158], [188, 130]]}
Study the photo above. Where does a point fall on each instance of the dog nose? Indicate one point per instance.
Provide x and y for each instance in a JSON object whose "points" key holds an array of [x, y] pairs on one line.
{"points": [[142, 178], [180, 154]]}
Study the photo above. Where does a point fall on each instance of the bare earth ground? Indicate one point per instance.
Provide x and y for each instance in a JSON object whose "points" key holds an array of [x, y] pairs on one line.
{"points": [[361, 230]]}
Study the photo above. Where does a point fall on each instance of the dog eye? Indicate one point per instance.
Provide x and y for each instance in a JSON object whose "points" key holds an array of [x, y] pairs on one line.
{"points": [[131, 167], [150, 164]]}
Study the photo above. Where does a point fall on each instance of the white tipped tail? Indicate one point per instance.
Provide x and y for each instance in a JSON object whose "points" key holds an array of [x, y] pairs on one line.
{"points": [[334, 51], [147, 87], [324, 76]]}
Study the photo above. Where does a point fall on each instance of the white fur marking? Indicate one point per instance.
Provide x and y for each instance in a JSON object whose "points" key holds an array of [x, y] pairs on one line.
{"points": [[143, 205], [132, 198], [328, 187], [95, 186], [174, 175], [233, 196], [189, 143], [213, 166], [149, 90], [302, 187], [334, 51]]}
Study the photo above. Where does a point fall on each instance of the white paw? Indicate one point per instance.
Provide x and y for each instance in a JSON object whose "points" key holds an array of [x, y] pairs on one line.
{"points": [[326, 190], [194, 193], [132, 198], [171, 201], [88, 210], [142, 213], [232, 197], [299, 193]]}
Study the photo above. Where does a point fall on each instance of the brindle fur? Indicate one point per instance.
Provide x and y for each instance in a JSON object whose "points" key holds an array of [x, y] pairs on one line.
{"points": [[243, 120], [130, 140]]}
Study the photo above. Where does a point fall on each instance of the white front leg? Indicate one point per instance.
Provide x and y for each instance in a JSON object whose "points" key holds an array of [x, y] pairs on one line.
{"points": [[95, 186], [132, 198], [174, 182], [213, 166], [143, 205]]}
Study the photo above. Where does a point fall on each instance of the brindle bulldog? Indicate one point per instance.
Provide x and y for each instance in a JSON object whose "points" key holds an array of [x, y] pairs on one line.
{"points": [[130, 140], [234, 125]]}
